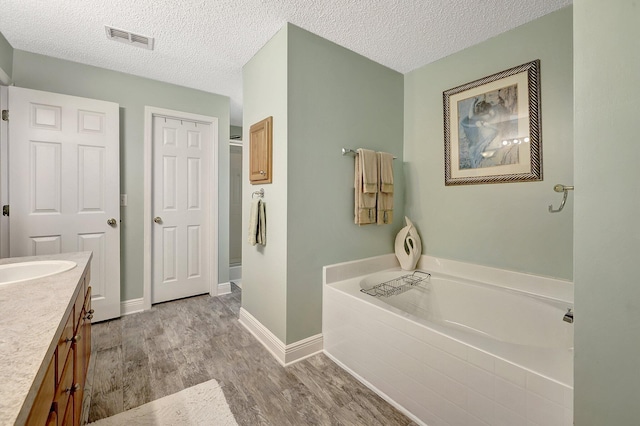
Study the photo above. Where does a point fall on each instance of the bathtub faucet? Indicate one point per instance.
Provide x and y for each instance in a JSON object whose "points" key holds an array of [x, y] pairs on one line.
{"points": [[568, 317]]}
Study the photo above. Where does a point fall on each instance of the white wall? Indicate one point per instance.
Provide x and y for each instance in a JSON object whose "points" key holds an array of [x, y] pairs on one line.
{"points": [[264, 269], [6, 60], [607, 205]]}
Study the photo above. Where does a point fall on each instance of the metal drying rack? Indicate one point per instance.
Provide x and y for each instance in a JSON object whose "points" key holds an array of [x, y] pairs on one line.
{"points": [[398, 285]]}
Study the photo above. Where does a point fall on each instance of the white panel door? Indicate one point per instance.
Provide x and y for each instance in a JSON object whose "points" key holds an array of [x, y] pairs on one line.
{"points": [[64, 184], [181, 239]]}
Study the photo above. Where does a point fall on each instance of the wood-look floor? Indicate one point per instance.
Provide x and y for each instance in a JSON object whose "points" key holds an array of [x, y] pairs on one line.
{"points": [[142, 357]]}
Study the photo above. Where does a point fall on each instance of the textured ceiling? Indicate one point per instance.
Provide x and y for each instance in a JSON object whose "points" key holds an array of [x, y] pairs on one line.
{"points": [[204, 44]]}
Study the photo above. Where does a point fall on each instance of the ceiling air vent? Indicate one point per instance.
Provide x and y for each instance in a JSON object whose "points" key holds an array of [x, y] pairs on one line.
{"points": [[129, 38]]}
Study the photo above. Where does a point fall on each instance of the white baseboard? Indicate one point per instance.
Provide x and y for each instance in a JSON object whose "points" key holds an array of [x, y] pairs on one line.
{"points": [[224, 288], [284, 354], [302, 349], [131, 306]]}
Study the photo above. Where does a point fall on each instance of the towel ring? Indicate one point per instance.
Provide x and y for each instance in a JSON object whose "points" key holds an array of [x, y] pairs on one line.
{"points": [[258, 193]]}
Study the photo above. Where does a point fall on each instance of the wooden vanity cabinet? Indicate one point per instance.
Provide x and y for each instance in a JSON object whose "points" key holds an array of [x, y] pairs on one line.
{"points": [[59, 398]]}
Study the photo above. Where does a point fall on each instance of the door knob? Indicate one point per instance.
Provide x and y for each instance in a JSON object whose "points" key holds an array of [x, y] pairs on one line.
{"points": [[112, 222], [157, 219]]}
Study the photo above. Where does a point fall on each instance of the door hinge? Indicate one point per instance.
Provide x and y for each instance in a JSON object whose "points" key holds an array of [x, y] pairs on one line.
{"points": [[5, 210], [5, 115]]}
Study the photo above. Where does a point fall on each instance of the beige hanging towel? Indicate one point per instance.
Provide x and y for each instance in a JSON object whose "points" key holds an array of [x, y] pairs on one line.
{"points": [[366, 186], [369, 167], [258, 223], [385, 197], [262, 224]]}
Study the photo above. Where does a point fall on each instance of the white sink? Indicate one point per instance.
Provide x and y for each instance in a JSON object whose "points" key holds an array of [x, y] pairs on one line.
{"points": [[23, 271]]}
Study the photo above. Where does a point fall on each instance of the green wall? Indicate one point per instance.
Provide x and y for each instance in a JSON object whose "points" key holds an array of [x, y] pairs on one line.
{"points": [[606, 229], [322, 97], [6, 57], [337, 99], [133, 94], [264, 268], [501, 225]]}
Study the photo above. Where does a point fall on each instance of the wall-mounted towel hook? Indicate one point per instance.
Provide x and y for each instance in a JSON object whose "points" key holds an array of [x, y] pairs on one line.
{"points": [[258, 193], [561, 188]]}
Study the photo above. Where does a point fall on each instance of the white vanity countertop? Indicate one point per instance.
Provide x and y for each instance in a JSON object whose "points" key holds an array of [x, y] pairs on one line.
{"points": [[31, 314]]}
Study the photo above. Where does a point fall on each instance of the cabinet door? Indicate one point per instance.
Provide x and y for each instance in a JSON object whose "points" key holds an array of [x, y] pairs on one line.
{"points": [[260, 151], [68, 419], [79, 370], [52, 420], [86, 334], [83, 332], [65, 389], [82, 350], [41, 409], [64, 345]]}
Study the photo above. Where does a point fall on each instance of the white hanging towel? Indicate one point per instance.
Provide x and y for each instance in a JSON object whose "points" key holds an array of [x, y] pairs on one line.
{"points": [[385, 197], [258, 223], [366, 186]]}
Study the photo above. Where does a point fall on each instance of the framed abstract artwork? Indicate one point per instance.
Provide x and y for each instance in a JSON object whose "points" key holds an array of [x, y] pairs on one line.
{"points": [[492, 128]]}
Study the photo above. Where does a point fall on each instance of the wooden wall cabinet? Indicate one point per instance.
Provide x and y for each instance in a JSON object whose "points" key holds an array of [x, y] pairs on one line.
{"points": [[261, 152], [59, 399]]}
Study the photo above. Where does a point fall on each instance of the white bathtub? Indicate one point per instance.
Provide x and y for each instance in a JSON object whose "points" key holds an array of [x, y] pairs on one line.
{"points": [[492, 350]]}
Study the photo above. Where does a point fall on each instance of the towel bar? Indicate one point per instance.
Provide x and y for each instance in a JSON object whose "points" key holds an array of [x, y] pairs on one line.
{"points": [[349, 151], [258, 193]]}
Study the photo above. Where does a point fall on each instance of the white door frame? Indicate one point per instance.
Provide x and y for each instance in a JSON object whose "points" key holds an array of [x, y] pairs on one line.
{"points": [[149, 114]]}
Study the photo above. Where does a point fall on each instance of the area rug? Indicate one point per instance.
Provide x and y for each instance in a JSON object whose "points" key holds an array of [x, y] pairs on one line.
{"points": [[203, 404]]}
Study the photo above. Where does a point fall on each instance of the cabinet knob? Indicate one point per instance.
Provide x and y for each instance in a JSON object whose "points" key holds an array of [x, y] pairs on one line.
{"points": [[89, 317], [91, 311], [73, 388], [262, 172], [73, 339]]}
